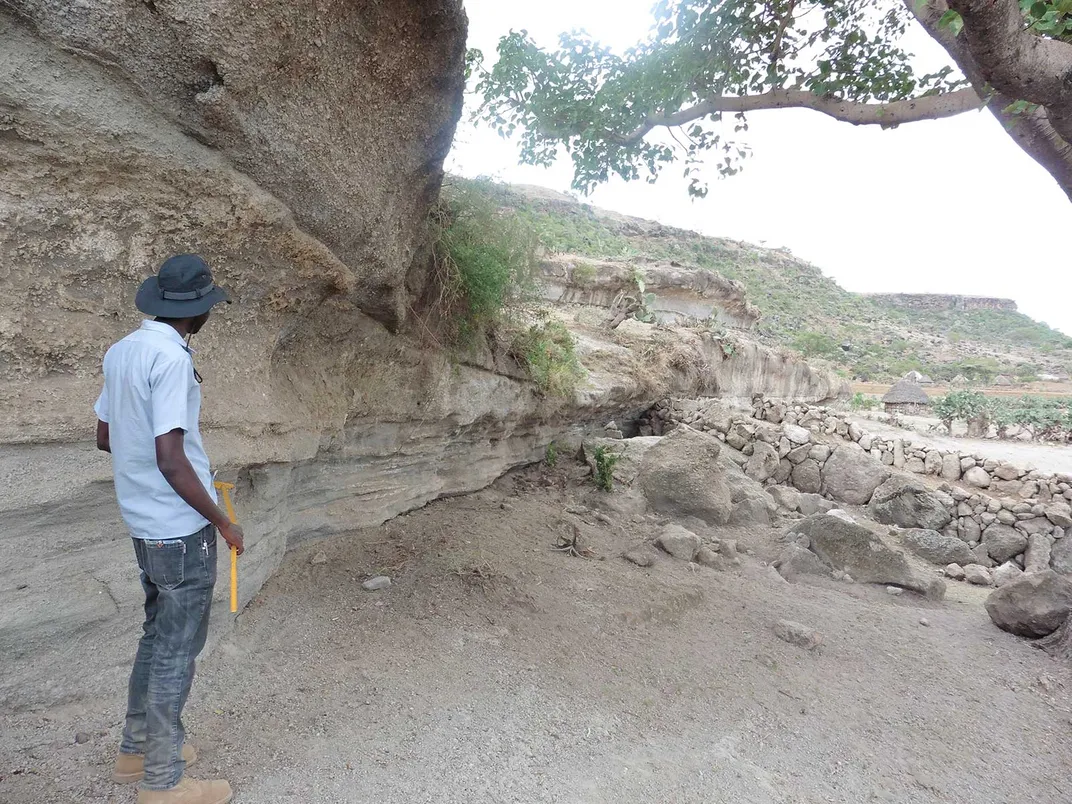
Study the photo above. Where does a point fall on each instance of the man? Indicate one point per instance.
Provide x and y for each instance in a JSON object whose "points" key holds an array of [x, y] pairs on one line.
{"points": [[148, 420]]}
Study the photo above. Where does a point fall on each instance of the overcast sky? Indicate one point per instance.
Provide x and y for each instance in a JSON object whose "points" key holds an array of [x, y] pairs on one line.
{"points": [[948, 206]]}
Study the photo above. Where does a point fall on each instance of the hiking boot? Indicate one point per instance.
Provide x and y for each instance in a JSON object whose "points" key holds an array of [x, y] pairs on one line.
{"points": [[130, 768], [189, 791]]}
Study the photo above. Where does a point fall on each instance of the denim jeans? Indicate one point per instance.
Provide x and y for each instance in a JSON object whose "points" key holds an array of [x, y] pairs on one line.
{"points": [[178, 576]]}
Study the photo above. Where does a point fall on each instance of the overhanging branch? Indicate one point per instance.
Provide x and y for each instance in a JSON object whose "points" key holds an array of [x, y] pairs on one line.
{"points": [[928, 107]]}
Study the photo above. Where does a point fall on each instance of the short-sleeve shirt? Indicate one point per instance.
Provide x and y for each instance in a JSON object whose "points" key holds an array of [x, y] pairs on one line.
{"points": [[150, 390]]}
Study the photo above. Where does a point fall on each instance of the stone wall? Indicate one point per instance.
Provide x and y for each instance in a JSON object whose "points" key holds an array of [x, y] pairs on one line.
{"points": [[797, 444]]}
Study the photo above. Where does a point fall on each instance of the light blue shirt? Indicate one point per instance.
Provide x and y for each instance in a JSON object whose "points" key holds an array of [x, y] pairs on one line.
{"points": [[150, 390]]}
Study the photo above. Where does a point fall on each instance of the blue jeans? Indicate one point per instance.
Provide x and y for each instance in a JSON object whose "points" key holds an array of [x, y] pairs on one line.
{"points": [[178, 576]]}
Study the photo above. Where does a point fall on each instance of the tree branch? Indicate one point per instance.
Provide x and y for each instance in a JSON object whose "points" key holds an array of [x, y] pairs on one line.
{"points": [[1018, 62], [1033, 130], [928, 107]]}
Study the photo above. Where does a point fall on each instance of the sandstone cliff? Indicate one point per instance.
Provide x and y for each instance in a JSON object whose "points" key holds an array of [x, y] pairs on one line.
{"points": [[299, 148]]}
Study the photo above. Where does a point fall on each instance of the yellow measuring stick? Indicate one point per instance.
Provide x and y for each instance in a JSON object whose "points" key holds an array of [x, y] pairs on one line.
{"points": [[225, 489]]}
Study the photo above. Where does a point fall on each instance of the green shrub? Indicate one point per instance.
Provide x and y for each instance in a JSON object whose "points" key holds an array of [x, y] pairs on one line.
{"points": [[583, 273], [551, 455], [815, 344], [861, 401], [548, 353], [485, 259], [605, 463]]}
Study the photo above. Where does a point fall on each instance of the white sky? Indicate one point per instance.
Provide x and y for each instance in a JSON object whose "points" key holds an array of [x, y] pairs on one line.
{"points": [[948, 206]]}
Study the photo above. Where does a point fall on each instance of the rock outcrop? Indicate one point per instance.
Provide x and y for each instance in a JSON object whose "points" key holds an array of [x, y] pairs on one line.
{"points": [[850, 547], [1033, 605]]}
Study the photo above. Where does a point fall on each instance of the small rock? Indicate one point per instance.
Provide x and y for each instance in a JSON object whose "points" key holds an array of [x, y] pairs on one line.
{"points": [[82, 737], [643, 555], [678, 542], [606, 520], [1006, 573], [896, 591], [320, 558], [709, 558], [955, 571], [797, 634], [977, 574], [978, 477], [924, 622], [376, 584]]}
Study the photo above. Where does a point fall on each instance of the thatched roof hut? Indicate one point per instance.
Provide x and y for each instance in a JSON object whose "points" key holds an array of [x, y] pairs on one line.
{"points": [[960, 379], [925, 380], [913, 376], [906, 397], [1001, 379]]}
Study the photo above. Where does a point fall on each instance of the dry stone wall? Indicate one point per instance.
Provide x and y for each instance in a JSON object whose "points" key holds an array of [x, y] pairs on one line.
{"points": [[817, 450]]}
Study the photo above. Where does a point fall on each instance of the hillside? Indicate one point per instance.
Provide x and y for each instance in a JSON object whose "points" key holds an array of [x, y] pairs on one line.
{"points": [[875, 337]]}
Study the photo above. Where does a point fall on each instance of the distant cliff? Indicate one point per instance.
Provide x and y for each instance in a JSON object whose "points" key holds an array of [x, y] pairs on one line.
{"points": [[942, 301]]}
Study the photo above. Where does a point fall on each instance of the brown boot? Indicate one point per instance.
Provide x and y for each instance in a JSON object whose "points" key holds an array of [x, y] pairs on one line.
{"points": [[189, 791], [130, 768]]}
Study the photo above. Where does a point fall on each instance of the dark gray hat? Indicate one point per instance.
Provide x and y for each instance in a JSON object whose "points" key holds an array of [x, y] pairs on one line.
{"points": [[183, 289]]}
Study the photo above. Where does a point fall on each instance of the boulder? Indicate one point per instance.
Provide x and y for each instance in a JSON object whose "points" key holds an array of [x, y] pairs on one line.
{"points": [[982, 557], [807, 477], [819, 453], [678, 541], [970, 530], [796, 434], [785, 497], [798, 454], [1059, 514], [850, 475], [630, 452], [783, 472], [643, 555], [937, 548], [763, 462], [796, 561], [1006, 573], [681, 475], [856, 432], [906, 502], [933, 462], [1061, 556], [1033, 605], [1003, 542], [815, 504], [1007, 471], [852, 548], [1037, 555], [752, 511], [951, 467], [915, 466], [978, 477], [977, 574]]}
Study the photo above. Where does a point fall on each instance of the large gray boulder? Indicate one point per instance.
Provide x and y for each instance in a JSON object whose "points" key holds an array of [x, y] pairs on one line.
{"points": [[937, 548], [682, 476], [906, 502], [807, 477], [762, 463], [1003, 542], [852, 548], [1061, 555], [851, 475], [1033, 605]]}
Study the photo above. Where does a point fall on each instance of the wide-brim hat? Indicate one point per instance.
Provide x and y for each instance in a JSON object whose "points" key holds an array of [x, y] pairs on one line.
{"points": [[183, 288]]}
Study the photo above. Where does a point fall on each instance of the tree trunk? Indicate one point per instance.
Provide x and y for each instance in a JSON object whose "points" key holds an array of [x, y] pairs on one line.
{"points": [[622, 308], [1059, 643]]}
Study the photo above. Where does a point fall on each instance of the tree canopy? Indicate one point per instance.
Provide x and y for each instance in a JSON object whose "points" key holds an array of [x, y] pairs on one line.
{"points": [[706, 64]]}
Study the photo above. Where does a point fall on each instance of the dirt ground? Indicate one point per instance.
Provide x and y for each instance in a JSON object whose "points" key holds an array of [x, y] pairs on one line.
{"points": [[498, 670], [1033, 388]]}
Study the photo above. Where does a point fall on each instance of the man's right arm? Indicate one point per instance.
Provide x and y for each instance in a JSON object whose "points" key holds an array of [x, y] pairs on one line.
{"points": [[175, 467]]}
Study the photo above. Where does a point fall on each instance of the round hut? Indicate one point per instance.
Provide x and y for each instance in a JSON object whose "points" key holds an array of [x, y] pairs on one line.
{"points": [[960, 379], [913, 376], [906, 398], [1001, 379]]}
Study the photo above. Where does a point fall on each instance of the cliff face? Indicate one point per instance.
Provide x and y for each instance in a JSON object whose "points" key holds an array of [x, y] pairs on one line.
{"points": [[942, 301], [298, 146]]}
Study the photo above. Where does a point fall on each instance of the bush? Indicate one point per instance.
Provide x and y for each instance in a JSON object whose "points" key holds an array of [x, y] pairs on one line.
{"points": [[861, 401], [548, 353], [551, 455], [485, 261], [605, 463], [816, 344]]}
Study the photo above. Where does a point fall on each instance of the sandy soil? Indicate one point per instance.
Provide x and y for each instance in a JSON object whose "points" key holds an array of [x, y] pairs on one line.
{"points": [[497, 670]]}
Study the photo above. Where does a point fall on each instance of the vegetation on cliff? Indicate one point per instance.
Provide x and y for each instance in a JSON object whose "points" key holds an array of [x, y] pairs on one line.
{"points": [[801, 308]]}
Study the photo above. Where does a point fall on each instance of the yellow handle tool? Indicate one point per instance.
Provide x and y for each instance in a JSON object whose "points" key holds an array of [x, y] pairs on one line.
{"points": [[225, 489]]}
